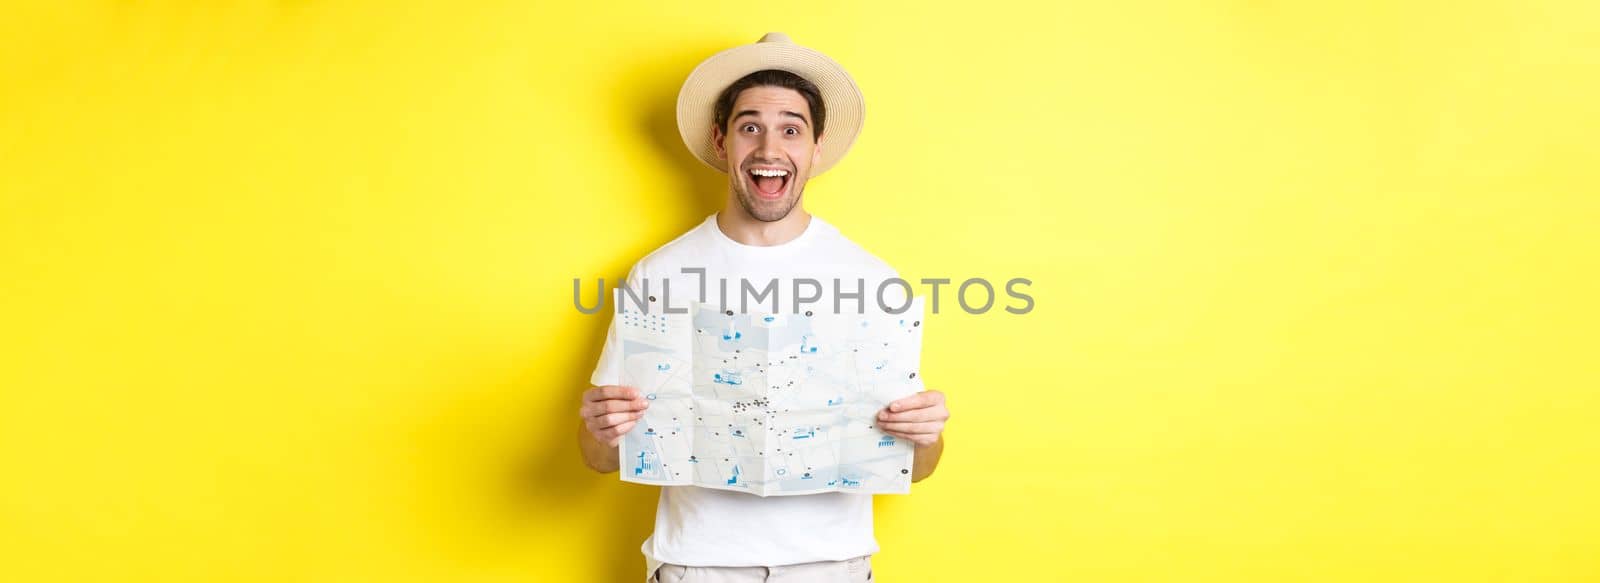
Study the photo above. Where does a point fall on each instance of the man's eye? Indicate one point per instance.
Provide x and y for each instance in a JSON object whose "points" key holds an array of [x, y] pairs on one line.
{"points": [[792, 131], [747, 127]]}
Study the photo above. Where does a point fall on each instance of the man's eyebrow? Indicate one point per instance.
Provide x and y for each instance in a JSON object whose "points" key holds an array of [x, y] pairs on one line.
{"points": [[785, 112]]}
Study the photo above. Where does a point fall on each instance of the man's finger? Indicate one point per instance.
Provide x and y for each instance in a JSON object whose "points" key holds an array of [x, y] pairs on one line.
{"points": [[915, 438], [612, 436], [621, 431], [613, 419], [610, 392], [913, 428], [598, 408], [933, 413], [917, 401]]}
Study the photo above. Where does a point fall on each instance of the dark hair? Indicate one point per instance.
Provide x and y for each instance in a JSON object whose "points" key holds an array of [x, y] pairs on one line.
{"points": [[773, 78]]}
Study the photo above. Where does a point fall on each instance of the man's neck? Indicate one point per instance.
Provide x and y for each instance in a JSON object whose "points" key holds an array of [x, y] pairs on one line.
{"points": [[743, 228]]}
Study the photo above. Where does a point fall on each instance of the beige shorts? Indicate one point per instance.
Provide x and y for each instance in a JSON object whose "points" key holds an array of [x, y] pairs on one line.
{"points": [[857, 570]]}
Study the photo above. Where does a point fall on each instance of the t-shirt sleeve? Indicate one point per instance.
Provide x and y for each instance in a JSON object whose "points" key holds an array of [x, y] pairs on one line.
{"points": [[609, 370], [892, 295]]}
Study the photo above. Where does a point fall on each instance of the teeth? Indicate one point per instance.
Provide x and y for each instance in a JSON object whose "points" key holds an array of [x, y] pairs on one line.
{"points": [[764, 172]]}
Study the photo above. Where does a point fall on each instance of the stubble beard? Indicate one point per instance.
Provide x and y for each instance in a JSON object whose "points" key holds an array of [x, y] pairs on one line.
{"points": [[767, 211]]}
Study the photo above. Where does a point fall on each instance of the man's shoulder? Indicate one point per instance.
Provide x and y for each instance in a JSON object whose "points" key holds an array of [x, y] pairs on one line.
{"points": [[844, 250], [682, 250]]}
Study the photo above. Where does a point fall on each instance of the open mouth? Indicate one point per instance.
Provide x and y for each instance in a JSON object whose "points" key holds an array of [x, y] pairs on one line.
{"points": [[770, 183]]}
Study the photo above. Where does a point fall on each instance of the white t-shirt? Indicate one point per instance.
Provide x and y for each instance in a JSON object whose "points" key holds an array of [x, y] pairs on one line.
{"points": [[707, 527]]}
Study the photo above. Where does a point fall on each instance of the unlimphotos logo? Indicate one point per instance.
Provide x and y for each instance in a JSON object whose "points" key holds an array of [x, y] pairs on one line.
{"points": [[975, 295]]}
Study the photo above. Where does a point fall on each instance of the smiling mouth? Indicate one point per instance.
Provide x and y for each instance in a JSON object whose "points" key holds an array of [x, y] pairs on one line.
{"points": [[769, 182]]}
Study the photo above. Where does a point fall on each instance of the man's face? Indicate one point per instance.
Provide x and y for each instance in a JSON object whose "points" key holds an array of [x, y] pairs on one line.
{"points": [[769, 149]]}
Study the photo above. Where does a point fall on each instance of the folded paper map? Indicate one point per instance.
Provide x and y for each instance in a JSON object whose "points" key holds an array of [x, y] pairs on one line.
{"points": [[769, 404]]}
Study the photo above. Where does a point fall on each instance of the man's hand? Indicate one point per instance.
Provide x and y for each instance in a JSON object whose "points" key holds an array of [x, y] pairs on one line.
{"points": [[608, 412], [918, 418]]}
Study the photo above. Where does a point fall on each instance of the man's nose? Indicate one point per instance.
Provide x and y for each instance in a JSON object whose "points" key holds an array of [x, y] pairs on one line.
{"points": [[768, 148]]}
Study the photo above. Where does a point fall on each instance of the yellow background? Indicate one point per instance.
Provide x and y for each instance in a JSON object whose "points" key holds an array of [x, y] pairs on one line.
{"points": [[287, 285]]}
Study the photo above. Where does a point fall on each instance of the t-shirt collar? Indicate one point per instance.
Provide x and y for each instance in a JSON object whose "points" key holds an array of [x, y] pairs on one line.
{"points": [[802, 240]]}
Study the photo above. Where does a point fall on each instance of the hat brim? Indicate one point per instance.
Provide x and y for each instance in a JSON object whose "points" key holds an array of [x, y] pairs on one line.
{"points": [[840, 97]]}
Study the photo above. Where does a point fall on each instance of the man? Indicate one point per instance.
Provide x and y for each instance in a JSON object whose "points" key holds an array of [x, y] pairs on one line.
{"points": [[772, 115]]}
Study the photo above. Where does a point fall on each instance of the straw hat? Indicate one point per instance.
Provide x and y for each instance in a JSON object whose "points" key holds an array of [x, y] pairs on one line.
{"points": [[840, 96]]}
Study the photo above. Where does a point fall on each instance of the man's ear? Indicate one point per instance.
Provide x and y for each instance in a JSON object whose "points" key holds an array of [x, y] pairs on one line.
{"points": [[716, 142], [816, 153]]}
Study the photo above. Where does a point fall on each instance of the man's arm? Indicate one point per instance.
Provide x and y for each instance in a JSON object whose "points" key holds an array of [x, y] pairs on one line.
{"points": [[607, 414], [598, 456], [926, 459], [920, 419]]}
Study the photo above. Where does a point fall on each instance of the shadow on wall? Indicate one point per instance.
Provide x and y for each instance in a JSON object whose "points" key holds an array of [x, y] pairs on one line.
{"points": [[651, 90], [546, 487], [555, 477]]}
